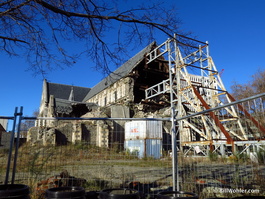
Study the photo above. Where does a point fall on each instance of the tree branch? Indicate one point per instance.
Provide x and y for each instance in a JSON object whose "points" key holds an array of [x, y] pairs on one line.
{"points": [[49, 26], [120, 17], [13, 39], [14, 8]]}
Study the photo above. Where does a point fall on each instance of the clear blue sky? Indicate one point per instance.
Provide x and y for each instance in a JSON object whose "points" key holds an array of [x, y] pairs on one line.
{"points": [[235, 30]]}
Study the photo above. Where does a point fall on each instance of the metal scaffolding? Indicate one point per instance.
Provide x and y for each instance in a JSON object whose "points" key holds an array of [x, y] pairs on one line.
{"points": [[195, 86]]}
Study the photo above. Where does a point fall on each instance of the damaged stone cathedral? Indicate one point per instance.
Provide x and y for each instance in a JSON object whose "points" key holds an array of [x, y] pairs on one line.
{"points": [[119, 95], [144, 87]]}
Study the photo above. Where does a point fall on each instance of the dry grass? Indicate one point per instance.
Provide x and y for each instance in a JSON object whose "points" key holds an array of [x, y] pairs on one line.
{"points": [[108, 168]]}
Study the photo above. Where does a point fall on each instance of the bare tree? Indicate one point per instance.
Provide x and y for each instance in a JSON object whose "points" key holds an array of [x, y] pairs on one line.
{"points": [[43, 30], [241, 91], [258, 81], [255, 86]]}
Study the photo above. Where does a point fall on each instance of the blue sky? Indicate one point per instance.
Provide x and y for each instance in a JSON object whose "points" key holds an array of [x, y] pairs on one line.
{"points": [[235, 30]]}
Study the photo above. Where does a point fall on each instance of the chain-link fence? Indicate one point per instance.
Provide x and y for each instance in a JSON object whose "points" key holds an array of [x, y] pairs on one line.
{"points": [[100, 153]]}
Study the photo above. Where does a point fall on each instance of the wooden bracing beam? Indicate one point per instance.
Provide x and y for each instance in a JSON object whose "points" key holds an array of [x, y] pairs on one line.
{"points": [[213, 116], [248, 115]]}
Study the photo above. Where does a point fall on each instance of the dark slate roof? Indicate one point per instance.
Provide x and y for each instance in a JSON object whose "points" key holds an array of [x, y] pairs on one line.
{"points": [[61, 91], [66, 106], [121, 72], [63, 106]]}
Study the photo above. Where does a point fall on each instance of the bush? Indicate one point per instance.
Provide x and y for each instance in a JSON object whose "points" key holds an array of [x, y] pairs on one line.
{"points": [[213, 156], [261, 156], [240, 157]]}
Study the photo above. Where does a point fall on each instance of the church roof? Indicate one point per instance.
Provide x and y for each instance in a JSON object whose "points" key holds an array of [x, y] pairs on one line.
{"points": [[64, 95], [62, 91], [121, 72]]}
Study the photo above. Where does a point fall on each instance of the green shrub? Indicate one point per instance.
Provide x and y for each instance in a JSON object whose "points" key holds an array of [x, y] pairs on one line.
{"points": [[261, 156], [213, 156], [241, 157]]}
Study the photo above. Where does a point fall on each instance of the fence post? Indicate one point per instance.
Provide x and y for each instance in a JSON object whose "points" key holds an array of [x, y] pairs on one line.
{"points": [[17, 144], [11, 146]]}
